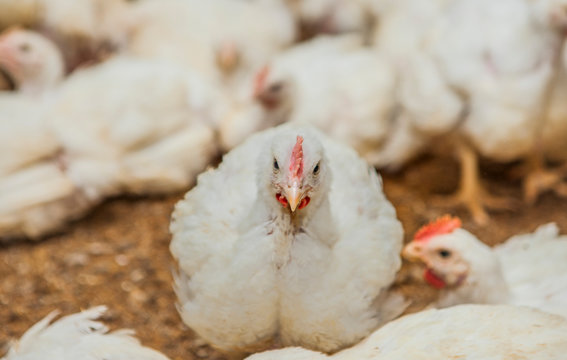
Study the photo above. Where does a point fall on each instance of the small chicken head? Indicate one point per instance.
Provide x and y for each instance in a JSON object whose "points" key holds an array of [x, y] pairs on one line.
{"points": [[30, 59], [438, 245], [297, 170], [271, 91]]}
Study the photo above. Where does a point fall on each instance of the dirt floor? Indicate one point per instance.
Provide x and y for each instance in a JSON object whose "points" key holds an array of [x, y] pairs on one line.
{"points": [[118, 256]]}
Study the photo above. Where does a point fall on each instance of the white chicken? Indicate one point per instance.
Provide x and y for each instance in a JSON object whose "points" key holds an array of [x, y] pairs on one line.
{"points": [[505, 89], [526, 270], [30, 61], [79, 336], [472, 332], [128, 140], [262, 103], [499, 72], [427, 105], [37, 196], [118, 136], [187, 32], [333, 83], [290, 238]]}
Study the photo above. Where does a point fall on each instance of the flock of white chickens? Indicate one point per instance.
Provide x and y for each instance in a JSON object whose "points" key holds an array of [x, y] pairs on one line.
{"points": [[290, 241]]}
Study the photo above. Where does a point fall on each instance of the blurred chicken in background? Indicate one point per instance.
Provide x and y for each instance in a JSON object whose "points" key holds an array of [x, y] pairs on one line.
{"points": [[396, 79], [95, 134], [498, 68]]}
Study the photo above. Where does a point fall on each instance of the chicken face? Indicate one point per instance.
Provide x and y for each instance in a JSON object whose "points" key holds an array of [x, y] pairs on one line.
{"points": [[297, 170], [444, 265], [438, 246], [28, 57], [271, 92]]}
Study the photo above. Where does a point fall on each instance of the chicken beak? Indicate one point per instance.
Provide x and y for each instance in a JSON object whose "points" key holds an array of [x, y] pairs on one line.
{"points": [[293, 196], [412, 252]]}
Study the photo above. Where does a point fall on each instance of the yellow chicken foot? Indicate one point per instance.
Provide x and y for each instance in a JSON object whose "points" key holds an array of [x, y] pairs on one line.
{"points": [[541, 179], [471, 194]]}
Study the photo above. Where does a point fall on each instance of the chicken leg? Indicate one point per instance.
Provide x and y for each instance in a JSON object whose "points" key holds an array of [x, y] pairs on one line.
{"points": [[471, 193], [541, 178]]}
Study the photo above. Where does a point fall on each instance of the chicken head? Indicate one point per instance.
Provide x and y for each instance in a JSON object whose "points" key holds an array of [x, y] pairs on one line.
{"points": [[440, 246], [32, 61], [272, 91], [298, 169]]}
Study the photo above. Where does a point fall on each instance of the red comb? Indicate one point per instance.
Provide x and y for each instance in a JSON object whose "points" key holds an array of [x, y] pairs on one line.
{"points": [[260, 80], [296, 162], [443, 225]]}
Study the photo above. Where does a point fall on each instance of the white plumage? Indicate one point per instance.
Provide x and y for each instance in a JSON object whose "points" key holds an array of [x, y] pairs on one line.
{"points": [[503, 67], [332, 83], [252, 270], [118, 136], [472, 332], [37, 196], [79, 336], [187, 32], [472, 61], [526, 270], [275, 93], [33, 62], [98, 133], [427, 104]]}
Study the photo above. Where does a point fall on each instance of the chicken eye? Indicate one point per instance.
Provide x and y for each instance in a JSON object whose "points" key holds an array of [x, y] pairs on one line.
{"points": [[316, 169], [444, 253], [25, 47], [276, 165], [275, 88]]}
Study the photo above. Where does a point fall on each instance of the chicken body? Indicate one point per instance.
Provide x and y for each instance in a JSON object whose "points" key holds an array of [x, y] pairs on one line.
{"points": [[427, 105], [503, 67], [79, 336], [37, 196], [474, 332], [186, 32], [526, 270], [130, 139], [98, 133], [499, 70], [331, 83], [488, 84], [252, 270]]}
